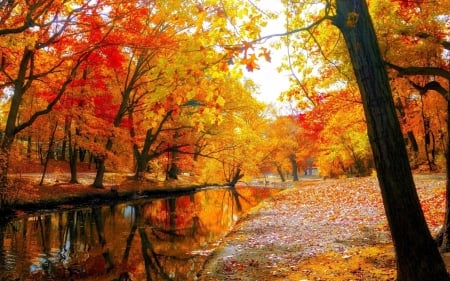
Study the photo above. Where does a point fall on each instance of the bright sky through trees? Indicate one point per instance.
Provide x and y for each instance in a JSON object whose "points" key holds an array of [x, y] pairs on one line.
{"points": [[271, 83]]}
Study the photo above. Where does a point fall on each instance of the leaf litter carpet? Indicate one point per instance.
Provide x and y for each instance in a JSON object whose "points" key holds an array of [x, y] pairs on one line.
{"points": [[319, 230]]}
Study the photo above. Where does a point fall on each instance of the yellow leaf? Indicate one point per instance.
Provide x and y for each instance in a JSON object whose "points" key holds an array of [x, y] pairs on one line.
{"points": [[220, 101]]}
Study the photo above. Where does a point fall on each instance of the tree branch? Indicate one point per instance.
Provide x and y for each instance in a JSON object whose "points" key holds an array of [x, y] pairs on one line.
{"points": [[424, 35], [418, 70], [433, 85]]}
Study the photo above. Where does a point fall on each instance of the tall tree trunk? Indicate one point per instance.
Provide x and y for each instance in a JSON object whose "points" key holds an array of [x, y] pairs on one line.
{"points": [[141, 157], [72, 155], [280, 171], [10, 127], [73, 160], [294, 166], [4, 165], [141, 164], [49, 152], [417, 255], [29, 147], [443, 238], [67, 124], [429, 138], [98, 182], [414, 147], [101, 168]]}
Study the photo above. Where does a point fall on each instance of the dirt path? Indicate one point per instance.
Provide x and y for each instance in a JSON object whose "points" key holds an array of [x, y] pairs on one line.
{"points": [[333, 221]]}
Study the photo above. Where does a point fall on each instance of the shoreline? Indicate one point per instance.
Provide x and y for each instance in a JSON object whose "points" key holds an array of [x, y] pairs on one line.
{"points": [[31, 197]]}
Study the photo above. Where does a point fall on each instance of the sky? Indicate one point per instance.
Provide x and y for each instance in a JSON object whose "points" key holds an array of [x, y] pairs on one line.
{"points": [[271, 83]]}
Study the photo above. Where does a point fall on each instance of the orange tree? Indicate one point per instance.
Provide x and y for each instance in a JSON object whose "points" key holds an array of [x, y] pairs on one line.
{"points": [[147, 34], [342, 146], [41, 52], [286, 146], [100, 62], [420, 36]]}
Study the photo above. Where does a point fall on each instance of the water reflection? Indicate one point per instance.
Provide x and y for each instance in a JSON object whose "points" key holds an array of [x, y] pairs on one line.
{"points": [[147, 239]]}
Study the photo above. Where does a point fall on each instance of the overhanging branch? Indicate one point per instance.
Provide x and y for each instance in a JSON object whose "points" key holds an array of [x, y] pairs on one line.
{"points": [[419, 70], [433, 85]]}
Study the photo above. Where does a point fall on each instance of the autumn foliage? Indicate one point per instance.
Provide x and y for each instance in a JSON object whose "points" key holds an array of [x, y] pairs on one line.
{"points": [[153, 86], [126, 86]]}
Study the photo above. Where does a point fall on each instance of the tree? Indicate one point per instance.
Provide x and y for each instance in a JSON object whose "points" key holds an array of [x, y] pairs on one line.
{"points": [[229, 149], [417, 255], [344, 146], [285, 146], [421, 35], [49, 52]]}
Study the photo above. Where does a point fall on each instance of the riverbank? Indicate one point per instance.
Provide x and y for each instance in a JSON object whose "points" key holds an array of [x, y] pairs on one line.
{"points": [[68, 195], [319, 230], [26, 195]]}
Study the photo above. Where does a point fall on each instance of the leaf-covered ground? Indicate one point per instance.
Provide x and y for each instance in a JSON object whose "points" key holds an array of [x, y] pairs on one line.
{"points": [[319, 230]]}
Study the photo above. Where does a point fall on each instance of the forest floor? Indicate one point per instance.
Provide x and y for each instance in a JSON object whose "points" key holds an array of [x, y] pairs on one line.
{"points": [[320, 230]]}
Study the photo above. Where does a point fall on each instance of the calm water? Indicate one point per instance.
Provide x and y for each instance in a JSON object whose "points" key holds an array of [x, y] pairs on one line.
{"points": [[147, 239]]}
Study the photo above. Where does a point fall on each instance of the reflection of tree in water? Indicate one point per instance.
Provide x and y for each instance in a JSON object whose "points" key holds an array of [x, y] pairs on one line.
{"points": [[168, 231], [232, 197], [151, 259], [63, 248], [165, 239], [77, 242], [181, 221], [10, 231], [160, 265]]}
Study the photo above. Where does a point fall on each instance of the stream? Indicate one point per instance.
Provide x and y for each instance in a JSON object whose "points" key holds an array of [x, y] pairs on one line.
{"points": [[144, 239]]}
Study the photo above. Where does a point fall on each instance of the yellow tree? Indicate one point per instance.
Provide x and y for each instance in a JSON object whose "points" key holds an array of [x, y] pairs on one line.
{"points": [[229, 150], [285, 146]]}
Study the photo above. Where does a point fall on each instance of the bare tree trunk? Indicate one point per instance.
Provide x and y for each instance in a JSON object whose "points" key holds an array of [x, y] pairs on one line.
{"points": [[29, 147], [98, 182], [101, 168]]}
